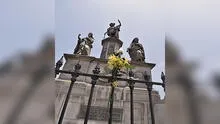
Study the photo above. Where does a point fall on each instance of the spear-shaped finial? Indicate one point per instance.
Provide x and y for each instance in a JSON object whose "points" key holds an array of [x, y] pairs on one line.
{"points": [[58, 65], [163, 79]]}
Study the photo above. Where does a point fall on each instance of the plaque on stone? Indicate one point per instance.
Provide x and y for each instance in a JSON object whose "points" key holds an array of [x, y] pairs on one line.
{"points": [[98, 113]]}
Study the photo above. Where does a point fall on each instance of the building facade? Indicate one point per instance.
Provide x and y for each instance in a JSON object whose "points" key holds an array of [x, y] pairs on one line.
{"points": [[77, 105]]}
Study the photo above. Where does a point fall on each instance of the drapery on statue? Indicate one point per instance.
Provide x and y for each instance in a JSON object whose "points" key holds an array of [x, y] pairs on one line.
{"points": [[136, 51], [84, 45], [113, 31]]}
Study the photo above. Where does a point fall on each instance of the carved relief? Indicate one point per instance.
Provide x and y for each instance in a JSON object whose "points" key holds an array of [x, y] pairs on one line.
{"points": [[101, 113]]}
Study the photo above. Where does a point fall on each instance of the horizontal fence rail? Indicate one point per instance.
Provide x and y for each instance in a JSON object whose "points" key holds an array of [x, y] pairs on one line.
{"points": [[95, 76], [109, 77]]}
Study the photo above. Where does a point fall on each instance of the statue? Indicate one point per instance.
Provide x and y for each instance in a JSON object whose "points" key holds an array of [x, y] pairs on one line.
{"points": [[84, 45], [136, 51], [113, 31]]}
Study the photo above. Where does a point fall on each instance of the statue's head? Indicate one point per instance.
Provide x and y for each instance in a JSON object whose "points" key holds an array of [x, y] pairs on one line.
{"points": [[135, 40], [90, 35], [112, 24]]}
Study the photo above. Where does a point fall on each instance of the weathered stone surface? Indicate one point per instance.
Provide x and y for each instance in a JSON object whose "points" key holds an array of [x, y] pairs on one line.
{"points": [[159, 111], [100, 102], [113, 31], [98, 113], [80, 94], [88, 63], [110, 45], [136, 51], [84, 45]]}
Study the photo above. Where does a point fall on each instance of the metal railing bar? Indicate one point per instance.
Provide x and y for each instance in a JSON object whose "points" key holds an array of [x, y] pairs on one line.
{"points": [[109, 77]]}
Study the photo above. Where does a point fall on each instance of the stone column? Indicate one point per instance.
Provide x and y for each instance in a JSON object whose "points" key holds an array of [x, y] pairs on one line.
{"points": [[110, 45]]}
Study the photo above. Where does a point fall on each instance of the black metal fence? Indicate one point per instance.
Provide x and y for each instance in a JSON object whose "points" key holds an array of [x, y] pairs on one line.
{"points": [[95, 76]]}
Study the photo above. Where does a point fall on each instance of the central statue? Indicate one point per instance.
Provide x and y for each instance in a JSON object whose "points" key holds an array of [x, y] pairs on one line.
{"points": [[84, 45], [113, 31]]}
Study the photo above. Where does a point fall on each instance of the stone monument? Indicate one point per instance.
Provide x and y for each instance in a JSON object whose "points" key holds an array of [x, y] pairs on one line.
{"points": [[112, 43], [136, 51], [99, 108], [84, 45]]}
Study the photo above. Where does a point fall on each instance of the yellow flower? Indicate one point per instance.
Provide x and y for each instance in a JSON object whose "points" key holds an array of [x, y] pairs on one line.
{"points": [[126, 61], [118, 62], [115, 84]]}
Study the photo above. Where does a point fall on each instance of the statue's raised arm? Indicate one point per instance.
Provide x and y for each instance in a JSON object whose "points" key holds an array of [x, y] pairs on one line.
{"points": [[105, 33], [79, 36], [119, 22]]}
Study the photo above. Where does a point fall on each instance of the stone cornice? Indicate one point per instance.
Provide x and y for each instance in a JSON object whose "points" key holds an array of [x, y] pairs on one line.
{"points": [[92, 58], [112, 39]]}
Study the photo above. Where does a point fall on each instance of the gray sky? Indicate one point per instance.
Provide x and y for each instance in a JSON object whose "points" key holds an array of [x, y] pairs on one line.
{"points": [[194, 26], [23, 23], [139, 18]]}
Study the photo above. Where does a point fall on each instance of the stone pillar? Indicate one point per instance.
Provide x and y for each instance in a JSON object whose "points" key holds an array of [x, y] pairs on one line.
{"points": [[110, 45]]}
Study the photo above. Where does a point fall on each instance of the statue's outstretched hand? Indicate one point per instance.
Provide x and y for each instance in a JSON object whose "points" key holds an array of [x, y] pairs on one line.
{"points": [[119, 22], [79, 36]]}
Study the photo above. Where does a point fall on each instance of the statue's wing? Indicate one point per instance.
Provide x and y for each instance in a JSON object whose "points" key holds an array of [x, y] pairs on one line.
{"points": [[77, 47], [78, 43]]}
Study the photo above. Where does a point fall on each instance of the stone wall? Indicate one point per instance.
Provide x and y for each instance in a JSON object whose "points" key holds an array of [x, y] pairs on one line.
{"points": [[100, 102], [80, 95]]}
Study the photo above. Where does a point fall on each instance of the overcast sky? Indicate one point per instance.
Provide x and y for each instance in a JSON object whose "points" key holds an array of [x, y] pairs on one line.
{"points": [[193, 24], [195, 27], [142, 19], [23, 23]]}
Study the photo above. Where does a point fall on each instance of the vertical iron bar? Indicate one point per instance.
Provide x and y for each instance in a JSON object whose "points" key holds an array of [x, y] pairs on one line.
{"points": [[114, 78], [131, 104], [131, 86], [111, 105], [58, 65], [147, 77], [149, 88], [89, 104], [163, 79], [94, 80], [73, 79]]}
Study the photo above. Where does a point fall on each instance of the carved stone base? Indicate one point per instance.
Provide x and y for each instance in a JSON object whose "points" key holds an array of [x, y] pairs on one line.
{"points": [[88, 63], [99, 111], [110, 45], [81, 90]]}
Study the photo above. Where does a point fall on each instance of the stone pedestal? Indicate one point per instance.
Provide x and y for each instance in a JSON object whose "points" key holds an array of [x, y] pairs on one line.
{"points": [[99, 111], [110, 45], [88, 63]]}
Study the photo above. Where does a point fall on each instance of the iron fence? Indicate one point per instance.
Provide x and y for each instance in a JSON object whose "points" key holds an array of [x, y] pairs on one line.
{"points": [[114, 76]]}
